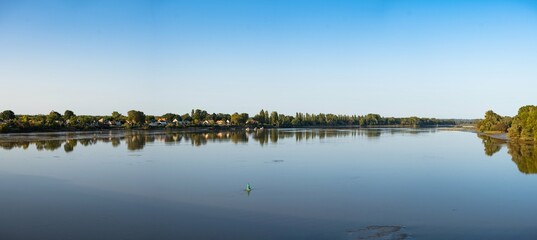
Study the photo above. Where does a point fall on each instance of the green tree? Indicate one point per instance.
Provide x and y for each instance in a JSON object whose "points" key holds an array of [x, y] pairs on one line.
{"points": [[116, 116], [186, 117], [524, 124], [198, 115], [235, 118], [150, 118], [244, 118], [494, 122], [68, 114], [260, 117], [170, 117], [239, 119], [53, 117], [373, 119], [274, 118], [136, 117], [7, 115]]}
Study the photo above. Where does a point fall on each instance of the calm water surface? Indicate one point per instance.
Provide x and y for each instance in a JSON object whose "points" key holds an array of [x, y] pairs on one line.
{"points": [[307, 184]]}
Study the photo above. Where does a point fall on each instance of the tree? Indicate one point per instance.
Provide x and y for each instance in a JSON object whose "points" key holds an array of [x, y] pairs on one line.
{"points": [[524, 125], [274, 118], [169, 117], [84, 121], [284, 121], [235, 118], [267, 118], [239, 119], [7, 115], [244, 118], [116, 116], [186, 117], [198, 115], [53, 116], [260, 118], [136, 117], [68, 114], [150, 118], [494, 122], [372, 119]]}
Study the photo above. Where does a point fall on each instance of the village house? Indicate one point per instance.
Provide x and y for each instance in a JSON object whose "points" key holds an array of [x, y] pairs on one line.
{"points": [[104, 122]]}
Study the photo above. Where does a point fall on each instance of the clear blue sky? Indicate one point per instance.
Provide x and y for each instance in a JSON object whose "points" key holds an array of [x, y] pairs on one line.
{"points": [[444, 59]]}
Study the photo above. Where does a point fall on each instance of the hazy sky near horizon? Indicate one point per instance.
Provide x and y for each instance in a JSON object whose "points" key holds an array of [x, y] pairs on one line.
{"points": [[444, 59]]}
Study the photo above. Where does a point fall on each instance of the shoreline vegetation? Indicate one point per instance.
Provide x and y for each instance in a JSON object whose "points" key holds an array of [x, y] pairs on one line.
{"points": [[520, 128], [201, 119]]}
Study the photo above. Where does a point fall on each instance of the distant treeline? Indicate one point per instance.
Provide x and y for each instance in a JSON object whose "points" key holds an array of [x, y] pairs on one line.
{"points": [[522, 127], [69, 121]]}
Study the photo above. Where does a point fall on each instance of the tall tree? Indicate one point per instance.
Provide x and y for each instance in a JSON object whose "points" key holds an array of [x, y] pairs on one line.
{"points": [[274, 118], [198, 115], [260, 117], [136, 117]]}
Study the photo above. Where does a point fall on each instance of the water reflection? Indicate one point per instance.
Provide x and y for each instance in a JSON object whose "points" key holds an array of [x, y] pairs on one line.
{"points": [[524, 155], [492, 145], [136, 140], [69, 145]]}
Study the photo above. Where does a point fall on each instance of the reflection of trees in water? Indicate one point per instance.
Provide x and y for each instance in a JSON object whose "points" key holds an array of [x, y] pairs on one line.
{"points": [[70, 145], [49, 145], [491, 145], [525, 156], [169, 139], [373, 133], [262, 137], [88, 141], [198, 139], [137, 140], [11, 145], [239, 137], [273, 135], [115, 141]]}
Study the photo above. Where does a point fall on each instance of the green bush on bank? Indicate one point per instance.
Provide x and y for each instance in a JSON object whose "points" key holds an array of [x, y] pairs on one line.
{"points": [[524, 127]]}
